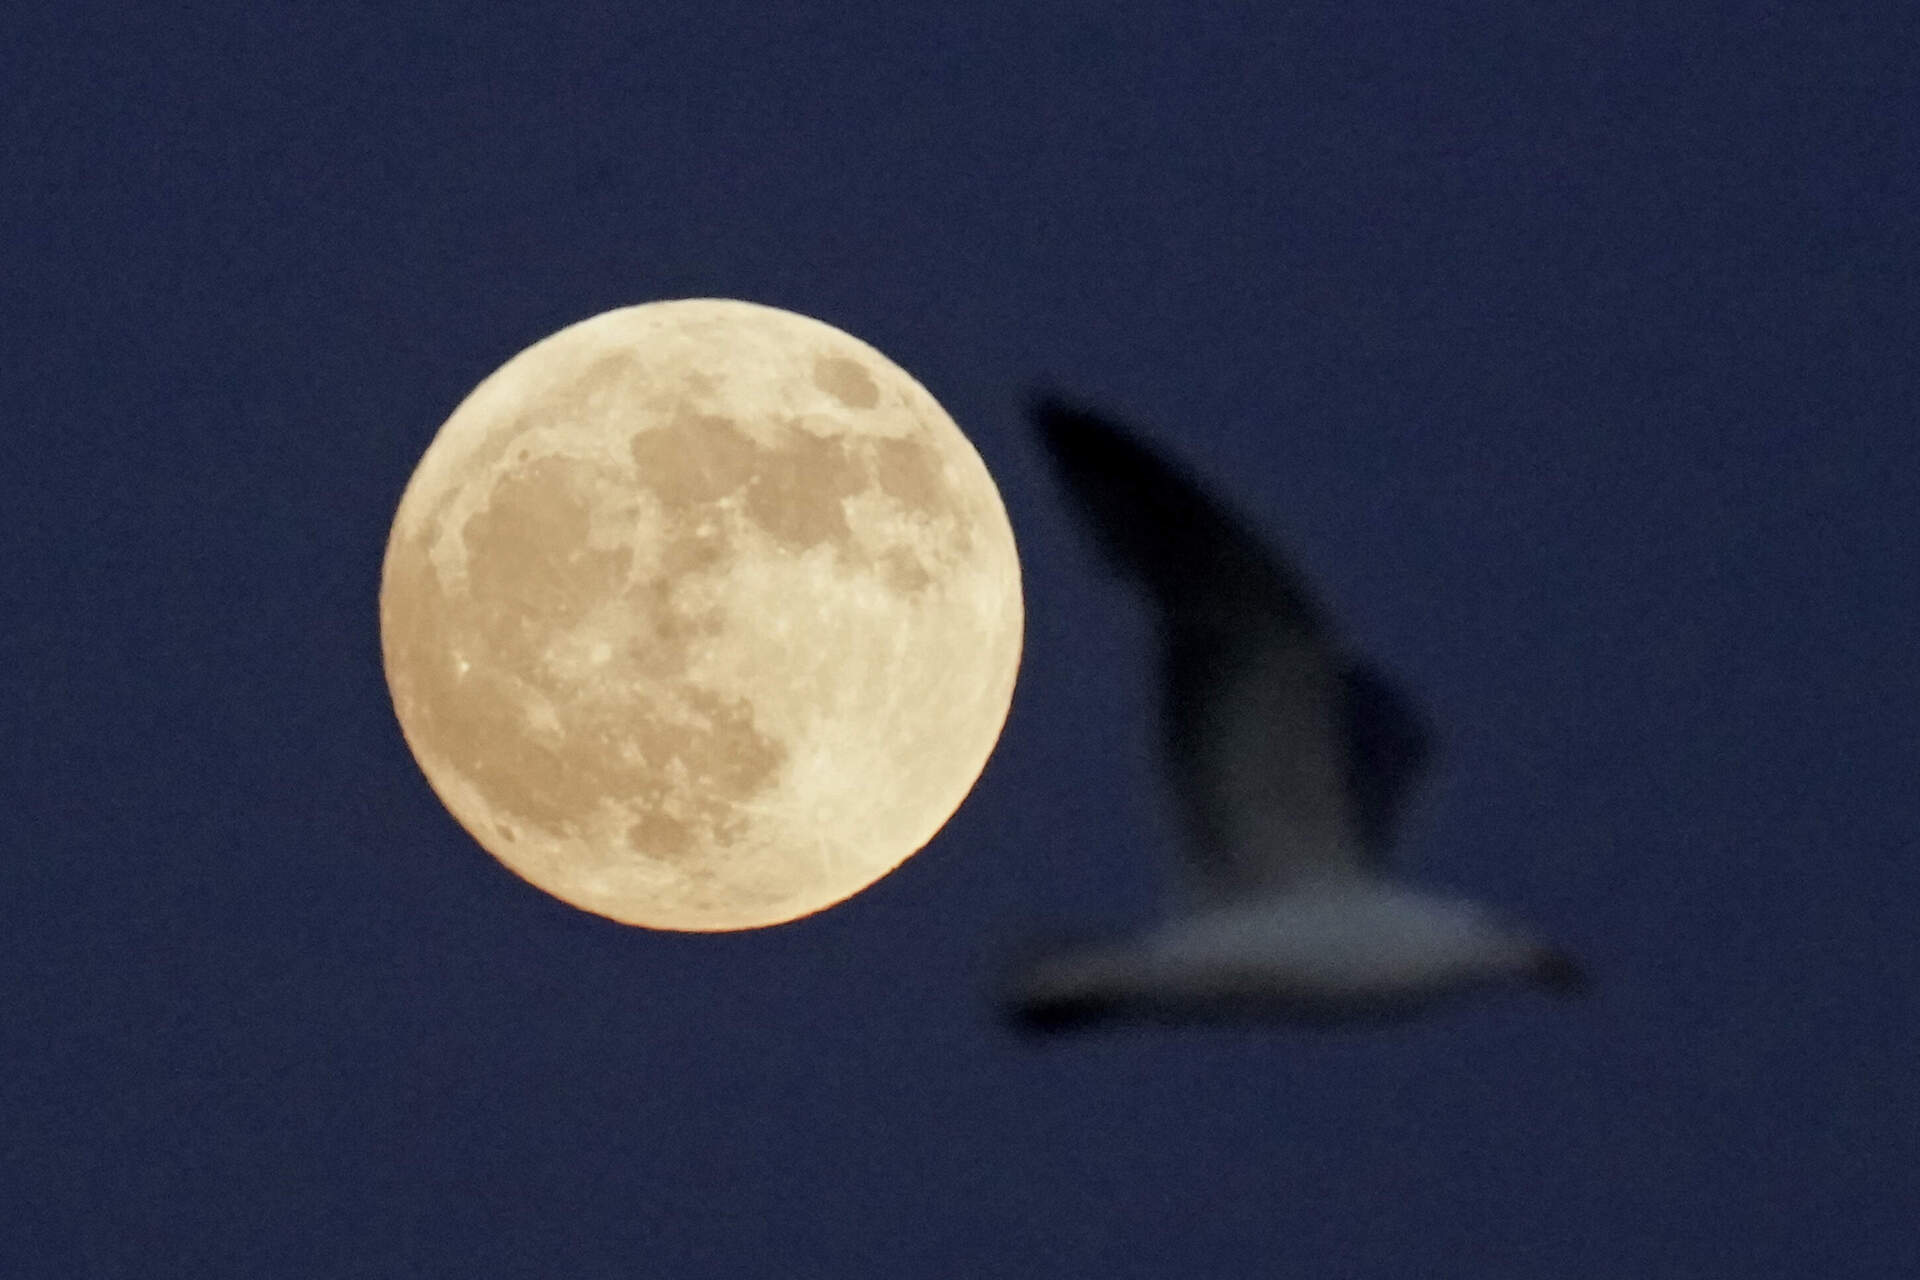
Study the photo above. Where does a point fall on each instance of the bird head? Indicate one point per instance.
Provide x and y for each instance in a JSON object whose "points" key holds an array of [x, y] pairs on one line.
{"points": [[1556, 971]]}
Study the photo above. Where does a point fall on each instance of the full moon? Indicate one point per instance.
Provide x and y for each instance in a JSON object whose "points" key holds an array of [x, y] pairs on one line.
{"points": [[701, 615]]}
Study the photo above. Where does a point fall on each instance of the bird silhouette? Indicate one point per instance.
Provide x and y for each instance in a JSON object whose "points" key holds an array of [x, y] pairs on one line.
{"points": [[1291, 761]]}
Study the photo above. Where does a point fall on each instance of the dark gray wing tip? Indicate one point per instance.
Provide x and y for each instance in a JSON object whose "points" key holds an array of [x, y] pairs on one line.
{"points": [[1156, 522], [1080, 439]]}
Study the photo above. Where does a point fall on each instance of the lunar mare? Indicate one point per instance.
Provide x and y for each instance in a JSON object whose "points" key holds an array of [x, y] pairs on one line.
{"points": [[701, 615]]}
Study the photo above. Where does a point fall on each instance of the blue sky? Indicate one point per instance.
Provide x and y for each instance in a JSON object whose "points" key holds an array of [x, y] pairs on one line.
{"points": [[1572, 352]]}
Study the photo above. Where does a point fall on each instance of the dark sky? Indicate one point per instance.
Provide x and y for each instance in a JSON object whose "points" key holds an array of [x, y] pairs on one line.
{"points": [[1573, 351]]}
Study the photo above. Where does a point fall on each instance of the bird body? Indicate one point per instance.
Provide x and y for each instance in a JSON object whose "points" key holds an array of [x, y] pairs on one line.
{"points": [[1291, 760], [1343, 951]]}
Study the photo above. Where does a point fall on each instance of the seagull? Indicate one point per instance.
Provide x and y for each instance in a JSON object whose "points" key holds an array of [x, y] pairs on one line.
{"points": [[1291, 760]]}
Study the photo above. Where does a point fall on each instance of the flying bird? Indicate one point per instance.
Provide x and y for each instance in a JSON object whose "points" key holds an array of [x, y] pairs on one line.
{"points": [[1291, 760]]}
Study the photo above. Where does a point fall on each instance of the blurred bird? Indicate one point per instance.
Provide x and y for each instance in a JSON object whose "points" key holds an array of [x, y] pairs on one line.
{"points": [[1291, 761]]}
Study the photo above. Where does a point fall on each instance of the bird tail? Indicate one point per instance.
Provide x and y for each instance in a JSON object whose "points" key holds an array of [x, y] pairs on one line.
{"points": [[1063, 985]]}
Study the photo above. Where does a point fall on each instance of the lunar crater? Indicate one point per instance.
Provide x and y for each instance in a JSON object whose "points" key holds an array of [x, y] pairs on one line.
{"points": [[846, 381]]}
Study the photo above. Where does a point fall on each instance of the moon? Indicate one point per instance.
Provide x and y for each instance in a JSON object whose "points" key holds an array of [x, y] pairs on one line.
{"points": [[701, 615]]}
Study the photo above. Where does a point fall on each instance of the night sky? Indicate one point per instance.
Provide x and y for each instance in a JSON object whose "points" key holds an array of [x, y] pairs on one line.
{"points": [[1571, 348]]}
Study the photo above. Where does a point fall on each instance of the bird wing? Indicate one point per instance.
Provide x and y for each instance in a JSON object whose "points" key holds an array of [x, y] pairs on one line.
{"points": [[1388, 747], [1289, 761]]}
